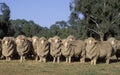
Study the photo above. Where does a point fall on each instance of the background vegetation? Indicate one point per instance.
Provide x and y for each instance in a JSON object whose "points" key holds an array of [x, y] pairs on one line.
{"points": [[101, 20]]}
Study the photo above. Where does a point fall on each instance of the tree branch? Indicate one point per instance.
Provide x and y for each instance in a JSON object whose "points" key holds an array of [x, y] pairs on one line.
{"points": [[94, 21], [104, 6], [116, 18], [93, 31]]}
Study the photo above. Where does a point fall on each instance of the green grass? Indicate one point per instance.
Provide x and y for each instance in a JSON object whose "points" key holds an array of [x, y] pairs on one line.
{"points": [[31, 67]]}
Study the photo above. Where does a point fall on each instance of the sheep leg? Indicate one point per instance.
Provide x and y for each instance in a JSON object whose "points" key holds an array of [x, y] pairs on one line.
{"points": [[40, 60], [82, 60], [92, 61], [21, 59], [54, 59], [58, 59], [6, 58], [9, 58], [44, 60], [66, 59], [107, 60], [36, 59], [69, 59]]}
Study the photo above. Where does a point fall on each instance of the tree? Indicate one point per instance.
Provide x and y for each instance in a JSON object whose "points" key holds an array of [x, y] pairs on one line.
{"points": [[28, 28], [63, 28], [31, 29], [76, 26], [100, 16], [55, 30], [4, 19]]}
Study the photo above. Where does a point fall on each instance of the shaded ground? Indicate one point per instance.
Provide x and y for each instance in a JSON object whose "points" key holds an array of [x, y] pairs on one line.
{"points": [[32, 67]]}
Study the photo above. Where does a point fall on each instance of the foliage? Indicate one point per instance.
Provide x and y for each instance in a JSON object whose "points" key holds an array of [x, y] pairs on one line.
{"points": [[101, 16], [4, 20], [28, 28], [100, 20]]}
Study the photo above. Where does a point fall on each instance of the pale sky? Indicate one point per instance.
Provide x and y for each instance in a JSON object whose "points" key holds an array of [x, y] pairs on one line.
{"points": [[42, 12]]}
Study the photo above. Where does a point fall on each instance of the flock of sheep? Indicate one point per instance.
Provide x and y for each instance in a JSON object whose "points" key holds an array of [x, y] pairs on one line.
{"points": [[40, 48]]}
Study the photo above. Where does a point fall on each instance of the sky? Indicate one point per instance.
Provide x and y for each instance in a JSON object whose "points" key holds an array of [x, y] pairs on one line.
{"points": [[42, 12]]}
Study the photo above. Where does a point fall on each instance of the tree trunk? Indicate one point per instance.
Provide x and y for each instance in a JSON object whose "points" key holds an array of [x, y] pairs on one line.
{"points": [[101, 37]]}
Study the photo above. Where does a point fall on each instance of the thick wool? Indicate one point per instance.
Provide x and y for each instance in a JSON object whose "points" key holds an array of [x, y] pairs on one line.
{"points": [[34, 43], [67, 48], [0, 46], [8, 46], [98, 49], [55, 47], [42, 47], [116, 45], [23, 45]]}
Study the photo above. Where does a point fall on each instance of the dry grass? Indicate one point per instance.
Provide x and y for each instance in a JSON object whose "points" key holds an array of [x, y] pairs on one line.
{"points": [[75, 68]]}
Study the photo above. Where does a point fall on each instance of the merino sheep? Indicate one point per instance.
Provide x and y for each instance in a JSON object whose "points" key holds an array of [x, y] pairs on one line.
{"points": [[8, 47], [98, 49], [23, 46], [55, 48], [42, 49]]}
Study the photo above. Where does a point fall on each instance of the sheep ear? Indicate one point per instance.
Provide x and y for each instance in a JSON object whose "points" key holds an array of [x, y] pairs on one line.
{"points": [[63, 41], [71, 43], [17, 40], [39, 39], [95, 41], [3, 41], [31, 40], [60, 40], [50, 40], [86, 41]]}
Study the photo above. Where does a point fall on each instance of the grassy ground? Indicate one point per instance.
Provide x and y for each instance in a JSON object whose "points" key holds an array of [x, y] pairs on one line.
{"points": [[31, 67]]}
